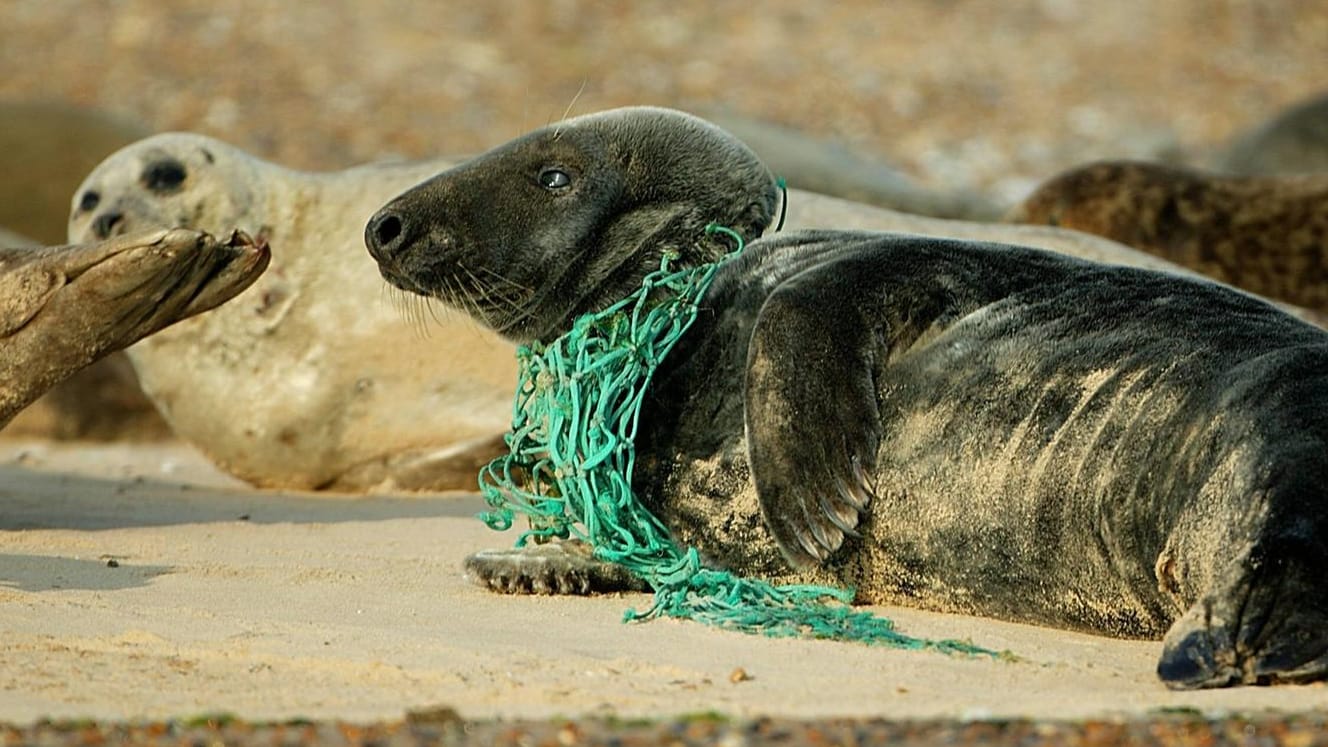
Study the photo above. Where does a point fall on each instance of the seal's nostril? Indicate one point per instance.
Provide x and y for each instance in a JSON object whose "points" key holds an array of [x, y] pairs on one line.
{"points": [[107, 222], [383, 235], [389, 228]]}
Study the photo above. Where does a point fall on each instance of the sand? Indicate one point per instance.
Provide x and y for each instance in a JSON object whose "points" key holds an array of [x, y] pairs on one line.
{"points": [[292, 605]]}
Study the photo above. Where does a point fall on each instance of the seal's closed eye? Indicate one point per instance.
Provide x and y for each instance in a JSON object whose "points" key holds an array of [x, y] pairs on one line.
{"points": [[164, 176], [554, 179]]}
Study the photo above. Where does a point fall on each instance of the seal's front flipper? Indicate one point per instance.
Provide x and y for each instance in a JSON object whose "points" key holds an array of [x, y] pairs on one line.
{"points": [[554, 568], [813, 424]]}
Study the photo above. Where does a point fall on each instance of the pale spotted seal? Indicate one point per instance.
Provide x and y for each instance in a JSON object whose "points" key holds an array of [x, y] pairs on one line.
{"points": [[959, 425], [61, 308], [312, 378], [1268, 235]]}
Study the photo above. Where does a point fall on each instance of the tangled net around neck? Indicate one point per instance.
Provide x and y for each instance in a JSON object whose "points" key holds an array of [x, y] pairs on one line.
{"points": [[572, 455]]}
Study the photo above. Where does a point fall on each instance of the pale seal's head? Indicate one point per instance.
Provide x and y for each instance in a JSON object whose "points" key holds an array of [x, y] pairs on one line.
{"points": [[174, 180], [568, 219]]}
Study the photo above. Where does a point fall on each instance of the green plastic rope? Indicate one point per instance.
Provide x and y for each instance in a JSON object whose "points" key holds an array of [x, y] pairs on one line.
{"points": [[572, 456]]}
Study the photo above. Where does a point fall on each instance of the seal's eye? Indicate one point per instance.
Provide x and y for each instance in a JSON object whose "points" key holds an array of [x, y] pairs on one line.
{"points": [[554, 179], [164, 176], [88, 201]]}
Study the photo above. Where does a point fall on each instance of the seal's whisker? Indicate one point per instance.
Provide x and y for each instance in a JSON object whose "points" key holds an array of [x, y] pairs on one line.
{"points": [[438, 315], [413, 314], [490, 294], [508, 311], [558, 132], [456, 291], [514, 297], [408, 306], [506, 281], [456, 300], [423, 314]]}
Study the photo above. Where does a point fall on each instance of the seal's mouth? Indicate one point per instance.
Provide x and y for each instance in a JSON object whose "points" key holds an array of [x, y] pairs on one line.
{"points": [[403, 281], [503, 305]]}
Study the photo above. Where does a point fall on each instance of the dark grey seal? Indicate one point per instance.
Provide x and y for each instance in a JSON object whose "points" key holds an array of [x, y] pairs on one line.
{"points": [[1294, 141], [957, 425], [61, 308]]}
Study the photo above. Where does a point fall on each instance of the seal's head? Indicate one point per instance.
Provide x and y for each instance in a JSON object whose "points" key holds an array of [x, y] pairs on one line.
{"points": [[568, 219], [174, 180]]}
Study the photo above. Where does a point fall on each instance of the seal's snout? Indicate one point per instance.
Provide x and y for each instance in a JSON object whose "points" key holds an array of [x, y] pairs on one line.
{"points": [[385, 235], [108, 223]]}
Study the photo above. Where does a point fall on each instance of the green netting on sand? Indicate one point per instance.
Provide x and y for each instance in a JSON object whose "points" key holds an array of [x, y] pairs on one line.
{"points": [[572, 456]]}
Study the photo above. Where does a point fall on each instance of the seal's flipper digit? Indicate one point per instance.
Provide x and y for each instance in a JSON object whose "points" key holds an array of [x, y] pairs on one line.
{"points": [[554, 568], [813, 425]]}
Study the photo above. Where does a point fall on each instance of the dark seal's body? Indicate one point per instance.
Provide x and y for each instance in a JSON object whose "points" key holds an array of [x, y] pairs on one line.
{"points": [[1266, 234], [957, 425], [1059, 442]]}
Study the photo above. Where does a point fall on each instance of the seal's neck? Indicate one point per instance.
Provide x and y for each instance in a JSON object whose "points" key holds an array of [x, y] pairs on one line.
{"points": [[637, 242]]}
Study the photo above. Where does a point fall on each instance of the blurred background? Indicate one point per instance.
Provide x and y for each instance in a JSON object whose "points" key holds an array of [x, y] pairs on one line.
{"points": [[989, 95]]}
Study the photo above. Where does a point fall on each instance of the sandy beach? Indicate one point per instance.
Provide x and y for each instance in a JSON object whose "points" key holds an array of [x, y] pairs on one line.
{"points": [[277, 606]]}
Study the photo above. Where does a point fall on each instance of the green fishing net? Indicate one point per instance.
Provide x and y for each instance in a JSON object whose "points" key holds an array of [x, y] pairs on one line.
{"points": [[575, 418]]}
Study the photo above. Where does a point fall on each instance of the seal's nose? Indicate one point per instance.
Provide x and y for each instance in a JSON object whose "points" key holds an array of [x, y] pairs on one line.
{"points": [[107, 222], [385, 235]]}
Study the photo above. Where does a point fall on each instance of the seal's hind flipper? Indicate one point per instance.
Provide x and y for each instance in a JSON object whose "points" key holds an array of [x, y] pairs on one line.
{"points": [[1264, 621], [554, 568], [813, 425]]}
